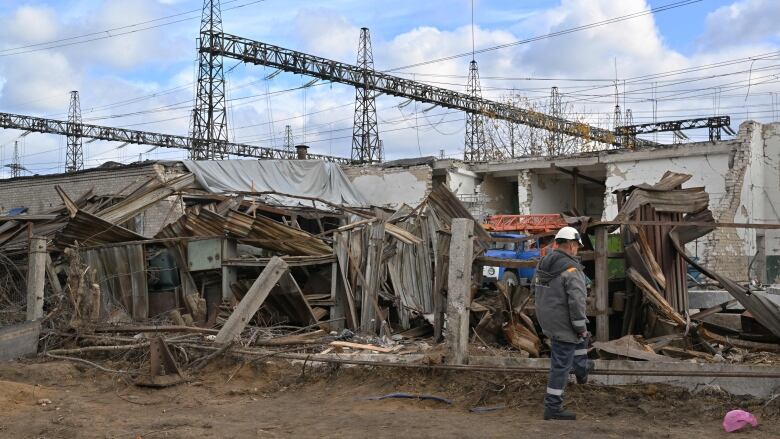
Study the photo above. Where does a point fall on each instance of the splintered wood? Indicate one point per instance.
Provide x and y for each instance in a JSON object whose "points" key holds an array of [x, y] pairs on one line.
{"points": [[252, 301]]}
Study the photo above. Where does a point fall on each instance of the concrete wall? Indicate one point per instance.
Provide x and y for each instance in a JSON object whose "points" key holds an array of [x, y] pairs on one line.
{"points": [[551, 193], [766, 197], [499, 195], [392, 187], [741, 177], [38, 195], [462, 182]]}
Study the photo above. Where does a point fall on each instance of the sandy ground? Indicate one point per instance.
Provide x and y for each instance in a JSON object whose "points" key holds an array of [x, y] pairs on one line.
{"points": [[280, 400]]}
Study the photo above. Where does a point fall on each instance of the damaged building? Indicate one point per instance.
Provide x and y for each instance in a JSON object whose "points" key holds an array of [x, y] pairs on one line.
{"points": [[741, 176]]}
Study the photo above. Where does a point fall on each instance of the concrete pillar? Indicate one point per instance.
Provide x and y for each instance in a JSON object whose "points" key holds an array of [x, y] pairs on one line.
{"points": [[36, 276], [459, 290]]}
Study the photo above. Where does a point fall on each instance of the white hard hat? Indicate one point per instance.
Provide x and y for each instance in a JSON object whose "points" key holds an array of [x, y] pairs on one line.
{"points": [[569, 233]]}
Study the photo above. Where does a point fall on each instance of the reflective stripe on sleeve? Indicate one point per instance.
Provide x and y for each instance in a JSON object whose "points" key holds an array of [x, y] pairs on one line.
{"points": [[556, 392], [579, 322], [581, 352]]}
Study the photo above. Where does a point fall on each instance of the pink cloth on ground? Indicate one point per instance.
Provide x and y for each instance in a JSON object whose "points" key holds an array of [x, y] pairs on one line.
{"points": [[736, 419]]}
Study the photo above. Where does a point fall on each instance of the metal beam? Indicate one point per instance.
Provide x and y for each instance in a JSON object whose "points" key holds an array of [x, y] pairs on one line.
{"points": [[259, 53], [61, 127], [715, 124]]}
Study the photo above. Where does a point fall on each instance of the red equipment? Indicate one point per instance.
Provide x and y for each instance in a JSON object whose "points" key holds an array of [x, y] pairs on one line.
{"points": [[529, 224]]}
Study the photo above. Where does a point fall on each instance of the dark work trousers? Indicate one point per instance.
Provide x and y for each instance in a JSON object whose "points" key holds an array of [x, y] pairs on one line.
{"points": [[564, 357]]}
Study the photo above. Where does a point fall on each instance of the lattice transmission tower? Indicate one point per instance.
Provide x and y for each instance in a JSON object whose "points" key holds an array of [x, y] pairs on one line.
{"points": [[16, 166], [209, 117], [366, 147], [289, 146], [476, 145], [74, 154], [555, 139]]}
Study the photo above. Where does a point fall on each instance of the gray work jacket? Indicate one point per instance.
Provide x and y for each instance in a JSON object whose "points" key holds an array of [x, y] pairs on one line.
{"points": [[560, 293]]}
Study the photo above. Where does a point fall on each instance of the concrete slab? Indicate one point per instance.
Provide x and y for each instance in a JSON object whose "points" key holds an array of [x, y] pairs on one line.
{"points": [[739, 379], [19, 340], [727, 320], [702, 299]]}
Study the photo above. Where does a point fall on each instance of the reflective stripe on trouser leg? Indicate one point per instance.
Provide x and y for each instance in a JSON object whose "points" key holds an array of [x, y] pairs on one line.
{"points": [[581, 358], [561, 361]]}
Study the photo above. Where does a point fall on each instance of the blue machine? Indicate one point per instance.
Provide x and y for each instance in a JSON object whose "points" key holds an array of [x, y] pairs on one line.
{"points": [[523, 250]]}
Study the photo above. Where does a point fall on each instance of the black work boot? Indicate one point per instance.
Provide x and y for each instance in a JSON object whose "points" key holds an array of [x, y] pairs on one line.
{"points": [[584, 379], [559, 415]]}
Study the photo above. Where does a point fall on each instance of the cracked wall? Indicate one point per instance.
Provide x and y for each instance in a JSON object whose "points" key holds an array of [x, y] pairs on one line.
{"points": [[744, 186]]}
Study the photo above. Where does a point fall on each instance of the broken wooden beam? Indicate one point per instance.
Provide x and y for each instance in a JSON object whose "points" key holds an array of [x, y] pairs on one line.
{"points": [[367, 347], [252, 301]]}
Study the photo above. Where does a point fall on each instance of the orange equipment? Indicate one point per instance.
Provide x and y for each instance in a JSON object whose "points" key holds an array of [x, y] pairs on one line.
{"points": [[529, 224]]}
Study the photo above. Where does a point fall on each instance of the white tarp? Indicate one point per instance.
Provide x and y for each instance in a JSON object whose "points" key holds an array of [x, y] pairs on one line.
{"points": [[309, 178]]}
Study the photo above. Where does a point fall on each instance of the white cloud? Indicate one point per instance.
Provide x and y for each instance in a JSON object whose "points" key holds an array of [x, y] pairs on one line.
{"points": [[153, 61], [327, 34], [31, 25], [744, 21]]}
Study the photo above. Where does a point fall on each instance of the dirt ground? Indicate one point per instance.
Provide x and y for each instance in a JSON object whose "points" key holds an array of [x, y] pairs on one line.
{"points": [[280, 400]]}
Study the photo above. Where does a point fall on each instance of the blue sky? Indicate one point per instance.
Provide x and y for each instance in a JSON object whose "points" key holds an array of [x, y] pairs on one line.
{"points": [[143, 80]]}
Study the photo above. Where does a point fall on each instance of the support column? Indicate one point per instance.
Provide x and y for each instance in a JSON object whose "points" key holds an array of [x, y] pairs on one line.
{"points": [[36, 276], [459, 290], [229, 274], [601, 285]]}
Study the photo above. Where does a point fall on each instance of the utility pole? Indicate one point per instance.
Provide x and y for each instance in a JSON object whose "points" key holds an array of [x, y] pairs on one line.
{"points": [[209, 117], [366, 147], [74, 155], [289, 146]]}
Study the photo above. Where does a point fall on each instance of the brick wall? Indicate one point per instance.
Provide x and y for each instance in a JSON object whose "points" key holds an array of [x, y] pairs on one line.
{"points": [[725, 250]]}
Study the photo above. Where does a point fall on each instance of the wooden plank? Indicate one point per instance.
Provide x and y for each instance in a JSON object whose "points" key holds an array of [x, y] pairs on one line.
{"points": [[51, 274], [140, 294], [290, 287], [601, 286], [137, 202], [341, 245], [508, 263], [252, 301], [459, 290], [368, 310], [69, 204], [337, 297], [124, 278], [36, 277], [292, 261], [655, 297], [368, 347], [440, 283]]}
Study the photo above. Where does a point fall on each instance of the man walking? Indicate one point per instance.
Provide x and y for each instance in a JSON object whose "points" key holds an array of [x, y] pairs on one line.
{"points": [[560, 293]]}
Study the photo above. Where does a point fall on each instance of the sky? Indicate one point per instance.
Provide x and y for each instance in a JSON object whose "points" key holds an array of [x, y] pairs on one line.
{"points": [[134, 64]]}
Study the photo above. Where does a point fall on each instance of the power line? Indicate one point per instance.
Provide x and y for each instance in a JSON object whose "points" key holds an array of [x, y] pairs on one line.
{"points": [[63, 41]]}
